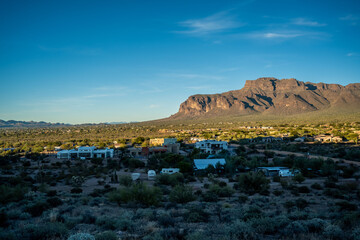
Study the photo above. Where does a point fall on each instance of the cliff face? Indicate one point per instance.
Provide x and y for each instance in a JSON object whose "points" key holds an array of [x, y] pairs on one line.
{"points": [[272, 96]]}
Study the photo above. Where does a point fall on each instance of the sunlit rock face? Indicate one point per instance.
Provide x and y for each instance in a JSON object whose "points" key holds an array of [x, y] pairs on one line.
{"points": [[272, 96]]}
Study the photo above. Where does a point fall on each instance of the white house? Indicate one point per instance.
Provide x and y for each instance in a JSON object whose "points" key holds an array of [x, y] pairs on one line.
{"points": [[86, 153], [211, 146]]}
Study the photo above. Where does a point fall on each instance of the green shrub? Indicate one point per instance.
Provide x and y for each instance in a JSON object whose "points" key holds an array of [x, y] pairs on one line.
{"points": [[12, 194], [170, 179], [165, 220], [299, 178], [108, 235], [197, 214], [76, 190], [137, 193], [241, 230], [45, 231], [346, 206], [263, 225], [316, 186], [125, 181], [54, 201], [106, 223], [303, 189], [296, 227], [81, 236], [253, 182], [278, 192], [36, 209], [182, 194], [333, 232], [209, 197], [221, 191]]}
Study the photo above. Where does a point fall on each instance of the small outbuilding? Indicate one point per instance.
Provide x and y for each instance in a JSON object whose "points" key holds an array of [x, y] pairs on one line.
{"points": [[169, 170], [151, 175]]}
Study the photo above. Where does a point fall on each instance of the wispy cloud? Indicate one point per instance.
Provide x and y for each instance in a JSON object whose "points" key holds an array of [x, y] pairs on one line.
{"points": [[283, 34], [154, 106], [353, 54], [192, 76], [306, 22], [352, 19], [219, 22]]}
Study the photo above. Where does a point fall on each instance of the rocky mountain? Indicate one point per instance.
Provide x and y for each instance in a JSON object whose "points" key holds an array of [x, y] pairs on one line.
{"points": [[273, 96]]}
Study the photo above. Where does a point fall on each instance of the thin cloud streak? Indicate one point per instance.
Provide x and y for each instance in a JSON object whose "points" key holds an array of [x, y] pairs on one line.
{"points": [[216, 23], [307, 22], [193, 76]]}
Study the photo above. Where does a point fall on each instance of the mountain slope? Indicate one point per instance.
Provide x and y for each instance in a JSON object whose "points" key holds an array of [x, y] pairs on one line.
{"points": [[273, 96]]}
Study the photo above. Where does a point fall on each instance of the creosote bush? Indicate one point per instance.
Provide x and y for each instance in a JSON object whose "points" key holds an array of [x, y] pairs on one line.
{"points": [[182, 194], [137, 193], [81, 236], [253, 182]]}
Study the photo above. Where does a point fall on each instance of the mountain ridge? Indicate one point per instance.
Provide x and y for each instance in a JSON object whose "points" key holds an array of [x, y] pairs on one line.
{"points": [[272, 96]]}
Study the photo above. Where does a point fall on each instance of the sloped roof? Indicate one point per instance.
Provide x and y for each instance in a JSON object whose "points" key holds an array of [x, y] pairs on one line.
{"points": [[204, 163]]}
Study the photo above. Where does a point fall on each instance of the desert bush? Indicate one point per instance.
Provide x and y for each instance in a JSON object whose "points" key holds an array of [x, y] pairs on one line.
{"points": [[253, 182], [278, 192], [315, 225], [196, 214], [125, 181], [346, 206], [3, 218], [165, 220], [263, 225], [45, 231], [241, 230], [224, 191], [301, 203], [125, 223], [356, 233], [88, 218], [37, 208], [137, 193], [276, 178], [303, 189], [76, 190], [81, 236], [295, 227], [170, 179], [299, 178], [334, 193], [209, 197], [7, 234], [252, 211], [182, 194], [54, 201], [12, 194], [106, 223], [333, 232], [243, 198], [316, 186], [108, 235]]}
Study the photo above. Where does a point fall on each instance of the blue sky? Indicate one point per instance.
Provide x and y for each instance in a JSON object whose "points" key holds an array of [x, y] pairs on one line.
{"points": [[104, 61]]}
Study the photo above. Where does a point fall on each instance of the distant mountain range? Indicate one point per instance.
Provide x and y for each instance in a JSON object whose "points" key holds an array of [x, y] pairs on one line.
{"points": [[28, 124], [33, 124], [272, 96]]}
